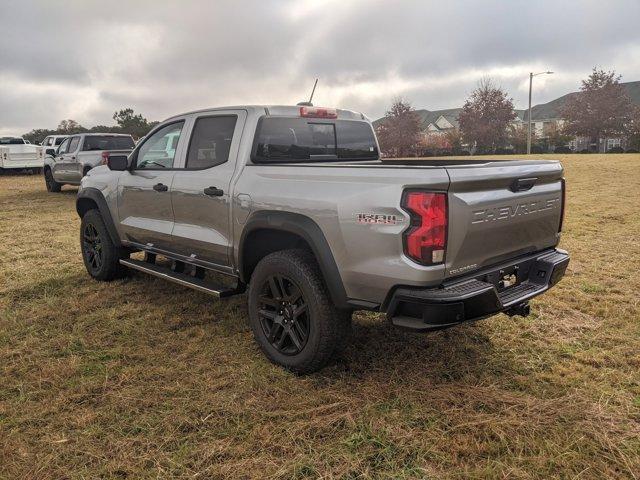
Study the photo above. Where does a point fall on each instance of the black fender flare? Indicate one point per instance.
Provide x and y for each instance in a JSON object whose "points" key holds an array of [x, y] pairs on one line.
{"points": [[97, 197], [311, 233]]}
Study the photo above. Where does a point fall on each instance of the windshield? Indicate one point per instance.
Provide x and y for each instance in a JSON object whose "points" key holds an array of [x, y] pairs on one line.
{"points": [[285, 139], [104, 142], [11, 141]]}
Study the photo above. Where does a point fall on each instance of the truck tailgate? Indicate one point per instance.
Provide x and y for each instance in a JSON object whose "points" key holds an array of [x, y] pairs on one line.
{"points": [[500, 210]]}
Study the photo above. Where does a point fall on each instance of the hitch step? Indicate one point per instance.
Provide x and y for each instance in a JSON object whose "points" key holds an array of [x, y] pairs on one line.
{"points": [[191, 281]]}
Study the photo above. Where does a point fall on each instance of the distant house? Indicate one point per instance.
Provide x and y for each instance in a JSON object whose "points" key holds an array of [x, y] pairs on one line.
{"points": [[436, 123]]}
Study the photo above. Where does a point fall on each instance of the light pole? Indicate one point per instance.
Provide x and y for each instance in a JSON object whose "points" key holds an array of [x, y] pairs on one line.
{"points": [[531, 75]]}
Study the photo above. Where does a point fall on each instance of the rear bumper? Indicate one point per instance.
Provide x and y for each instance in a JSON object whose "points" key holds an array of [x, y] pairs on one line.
{"points": [[477, 296]]}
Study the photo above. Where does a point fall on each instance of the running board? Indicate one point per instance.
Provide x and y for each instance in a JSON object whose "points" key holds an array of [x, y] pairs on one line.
{"points": [[180, 278]]}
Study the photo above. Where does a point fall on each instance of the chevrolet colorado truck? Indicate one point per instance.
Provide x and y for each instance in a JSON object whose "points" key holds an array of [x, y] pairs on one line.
{"points": [[294, 205], [77, 154]]}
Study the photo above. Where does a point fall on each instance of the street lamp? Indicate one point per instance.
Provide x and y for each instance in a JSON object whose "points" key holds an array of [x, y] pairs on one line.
{"points": [[531, 75]]}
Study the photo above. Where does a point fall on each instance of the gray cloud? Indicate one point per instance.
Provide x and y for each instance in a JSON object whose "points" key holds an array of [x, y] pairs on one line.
{"points": [[84, 60]]}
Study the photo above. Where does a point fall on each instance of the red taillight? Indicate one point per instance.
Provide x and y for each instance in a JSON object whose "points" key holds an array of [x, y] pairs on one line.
{"points": [[318, 112], [426, 239], [105, 158], [564, 201]]}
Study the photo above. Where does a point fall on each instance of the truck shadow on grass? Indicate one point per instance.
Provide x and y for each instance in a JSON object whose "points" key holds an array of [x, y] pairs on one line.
{"points": [[375, 351]]}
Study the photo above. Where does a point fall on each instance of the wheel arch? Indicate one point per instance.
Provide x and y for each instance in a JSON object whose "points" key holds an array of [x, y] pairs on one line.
{"points": [[271, 231], [92, 198]]}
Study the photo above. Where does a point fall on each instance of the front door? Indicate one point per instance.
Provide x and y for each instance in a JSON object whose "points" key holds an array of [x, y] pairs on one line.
{"points": [[70, 160], [144, 192], [58, 167], [201, 193]]}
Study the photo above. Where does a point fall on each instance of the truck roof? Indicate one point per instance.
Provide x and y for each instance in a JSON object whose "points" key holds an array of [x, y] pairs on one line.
{"points": [[104, 134], [276, 110]]}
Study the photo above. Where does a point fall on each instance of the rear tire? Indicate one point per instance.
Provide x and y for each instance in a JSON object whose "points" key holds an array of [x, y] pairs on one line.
{"points": [[52, 185], [101, 257], [291, 314]]}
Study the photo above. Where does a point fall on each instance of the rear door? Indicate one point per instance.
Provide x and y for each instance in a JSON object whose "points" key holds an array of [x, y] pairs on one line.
{"points": [[500, 210], [200, 192], [144, 196]]}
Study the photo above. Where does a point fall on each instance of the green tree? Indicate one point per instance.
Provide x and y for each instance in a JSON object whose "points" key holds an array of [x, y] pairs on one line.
{"points": [[37, 135], [601, 109], [129, 122], [486, 117], [69, 127]]}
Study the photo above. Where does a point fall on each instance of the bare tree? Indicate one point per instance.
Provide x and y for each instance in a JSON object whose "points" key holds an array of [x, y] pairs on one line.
{"points": [[399, 132], [600, 109], [486, 116]]}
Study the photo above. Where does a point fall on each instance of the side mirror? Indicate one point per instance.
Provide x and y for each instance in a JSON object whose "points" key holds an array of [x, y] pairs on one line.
{"points": [[118, 163], [50, 151]]}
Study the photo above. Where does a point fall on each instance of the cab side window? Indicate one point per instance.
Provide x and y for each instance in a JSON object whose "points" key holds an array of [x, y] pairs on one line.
{"points": [[73, 145], [210, 141], [64, 146], [159, 150]]}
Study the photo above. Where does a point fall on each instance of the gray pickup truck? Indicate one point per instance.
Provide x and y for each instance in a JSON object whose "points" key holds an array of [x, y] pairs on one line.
{"points": [[295, 205], [77, 154]]}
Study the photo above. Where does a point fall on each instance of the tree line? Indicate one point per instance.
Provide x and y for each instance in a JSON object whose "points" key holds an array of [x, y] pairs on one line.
{"points": [[127, 121], [486, 122]]}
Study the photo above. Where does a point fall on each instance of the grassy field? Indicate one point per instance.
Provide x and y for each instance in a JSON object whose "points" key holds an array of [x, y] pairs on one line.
{"points": [[144, 379]]}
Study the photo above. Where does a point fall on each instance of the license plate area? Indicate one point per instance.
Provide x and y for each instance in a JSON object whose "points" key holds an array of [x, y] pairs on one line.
{"points": [[509, 277]]}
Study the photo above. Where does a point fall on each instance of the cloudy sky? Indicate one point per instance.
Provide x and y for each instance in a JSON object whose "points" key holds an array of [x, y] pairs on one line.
{"points": [[85, 59]]}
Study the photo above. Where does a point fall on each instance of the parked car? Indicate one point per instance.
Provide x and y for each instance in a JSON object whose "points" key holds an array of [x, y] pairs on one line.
{"points": [[17, 154], [51, 143], [78, 154], [295, 204]]}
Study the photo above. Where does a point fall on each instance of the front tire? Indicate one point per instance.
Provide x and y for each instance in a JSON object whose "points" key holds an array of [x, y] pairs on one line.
{"points": [[291, 314], [101, 257], [52, 185]]}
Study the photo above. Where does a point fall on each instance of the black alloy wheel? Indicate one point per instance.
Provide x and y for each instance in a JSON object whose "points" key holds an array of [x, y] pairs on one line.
{"points": [[284, 314], [92, 247]]}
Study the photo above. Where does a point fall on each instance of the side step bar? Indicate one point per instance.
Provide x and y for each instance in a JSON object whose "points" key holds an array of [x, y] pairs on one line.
{"points": [[180, 278]]}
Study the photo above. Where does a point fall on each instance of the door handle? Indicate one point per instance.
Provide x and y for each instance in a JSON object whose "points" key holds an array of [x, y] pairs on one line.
{"points": [[213, 192], [159, 187]]}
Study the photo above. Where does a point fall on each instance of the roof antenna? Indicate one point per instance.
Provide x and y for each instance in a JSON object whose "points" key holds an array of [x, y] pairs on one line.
{"points": [[309, 104]]}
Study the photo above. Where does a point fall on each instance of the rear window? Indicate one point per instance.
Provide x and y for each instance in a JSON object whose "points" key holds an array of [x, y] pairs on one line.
{"points": [[284, 139], [11, 141], [102, 142]]}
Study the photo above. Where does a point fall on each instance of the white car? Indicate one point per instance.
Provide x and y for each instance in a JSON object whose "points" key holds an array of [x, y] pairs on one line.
{"points": [[17, 154], [50, 144]]}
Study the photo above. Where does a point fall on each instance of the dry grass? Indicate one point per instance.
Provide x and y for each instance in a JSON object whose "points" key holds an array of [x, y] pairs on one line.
{"points": [[139, 378]]}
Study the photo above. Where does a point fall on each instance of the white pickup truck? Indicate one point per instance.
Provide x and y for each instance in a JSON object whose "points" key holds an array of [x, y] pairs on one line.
{"points": [[18, 154]]}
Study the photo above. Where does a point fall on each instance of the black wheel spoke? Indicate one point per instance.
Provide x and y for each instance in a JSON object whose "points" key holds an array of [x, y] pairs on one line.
{"points": [[271, 315], [295, 295], [280, 338], [299, 310], [276, 293], [295, 338], [270, 302], [283, 314]]}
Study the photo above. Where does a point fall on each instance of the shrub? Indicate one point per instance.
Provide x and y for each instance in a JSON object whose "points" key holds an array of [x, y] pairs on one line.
{"points": [[616, 150], [562, 149], [632, 150], [504, 151], [538, 149], [585, 150]]}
